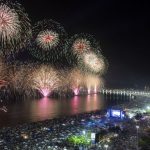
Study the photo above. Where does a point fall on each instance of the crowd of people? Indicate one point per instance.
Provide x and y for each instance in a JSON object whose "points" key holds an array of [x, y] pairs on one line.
{"points": [[113, 133]]}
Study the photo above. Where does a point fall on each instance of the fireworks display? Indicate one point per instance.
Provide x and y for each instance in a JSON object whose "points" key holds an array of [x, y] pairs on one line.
{"points": [[45, 80], [79, 44], [48, 40], [15, 28], [56, 63]]}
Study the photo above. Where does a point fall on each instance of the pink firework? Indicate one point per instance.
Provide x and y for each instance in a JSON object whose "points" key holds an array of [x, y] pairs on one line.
{"points": [[45, 91], [76, 80], [45, 80], [81, 45], [9, 24], [76, 91], [47, 39], [15, 27]]}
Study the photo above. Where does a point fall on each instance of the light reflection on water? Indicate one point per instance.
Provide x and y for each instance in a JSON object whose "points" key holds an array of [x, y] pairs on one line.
{"points": [[48, 108]]}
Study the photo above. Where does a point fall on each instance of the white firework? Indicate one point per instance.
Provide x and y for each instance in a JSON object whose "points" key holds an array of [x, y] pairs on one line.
{"points": [[81, 45], [9, 25], [18, 77], [76, 78], [45, 79], [93, 62], [93, 83], [47, 39]]}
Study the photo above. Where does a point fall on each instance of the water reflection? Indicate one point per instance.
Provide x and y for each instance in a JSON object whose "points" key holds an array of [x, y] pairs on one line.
{"points": [[94, 102], [50, 108], [45, 108]]}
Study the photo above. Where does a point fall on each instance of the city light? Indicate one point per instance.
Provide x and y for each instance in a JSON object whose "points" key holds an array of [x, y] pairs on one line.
{"points": [[148, 107], [106, 146]]}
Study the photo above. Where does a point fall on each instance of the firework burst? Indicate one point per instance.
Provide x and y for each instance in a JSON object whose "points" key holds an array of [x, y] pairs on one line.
{"points": [[9, 23], [15, 28], [93, 83], [18, 78], [76, 80], [48, 40], [45, 80], [80, 43], [92, 63]]}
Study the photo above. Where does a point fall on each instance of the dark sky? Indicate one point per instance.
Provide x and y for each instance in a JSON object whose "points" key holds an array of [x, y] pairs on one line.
{"points": [[122, 27]]}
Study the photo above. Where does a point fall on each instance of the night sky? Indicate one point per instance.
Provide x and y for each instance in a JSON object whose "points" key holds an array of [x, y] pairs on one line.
{"points": [[121, 27]]}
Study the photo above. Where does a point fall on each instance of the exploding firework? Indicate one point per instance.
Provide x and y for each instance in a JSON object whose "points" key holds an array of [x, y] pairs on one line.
{"points": [[15, 28], [64, 83], [18, 78], [92, 63], [48, 40], [76, 79], [63, 75], [45, 80], [93, 83], [81, 43]]}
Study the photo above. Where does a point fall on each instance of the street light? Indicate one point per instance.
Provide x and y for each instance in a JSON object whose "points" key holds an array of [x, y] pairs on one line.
{"points": [[83, 132], [137, 128], [106, 146], [148, 107]]}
